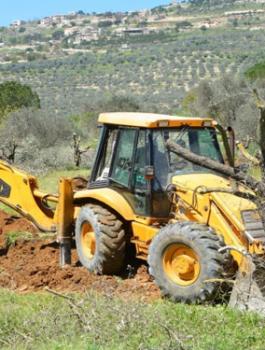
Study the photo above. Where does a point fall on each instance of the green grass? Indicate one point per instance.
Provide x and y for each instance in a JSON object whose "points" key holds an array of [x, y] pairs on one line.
{"points": [[12, 237], [49, 182], [42, 321], [256, 72], [7, 210]]}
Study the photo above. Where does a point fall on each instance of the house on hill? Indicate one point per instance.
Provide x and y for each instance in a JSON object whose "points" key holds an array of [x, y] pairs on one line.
{"points": [[87, 34], [46, 22], [17, 23], [242, 13], [135, 31]]}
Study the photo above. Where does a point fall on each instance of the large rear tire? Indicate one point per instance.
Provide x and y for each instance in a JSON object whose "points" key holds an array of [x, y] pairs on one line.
{"points": [[100, 240], [183, 259]]}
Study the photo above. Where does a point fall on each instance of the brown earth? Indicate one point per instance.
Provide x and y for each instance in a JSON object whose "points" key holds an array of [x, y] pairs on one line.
{"points": [[32, 265]]}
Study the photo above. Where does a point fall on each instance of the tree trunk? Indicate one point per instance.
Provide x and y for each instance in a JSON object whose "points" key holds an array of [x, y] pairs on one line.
{"points": [[261, 106], [226, 170], [262, 140], [258, 187]]}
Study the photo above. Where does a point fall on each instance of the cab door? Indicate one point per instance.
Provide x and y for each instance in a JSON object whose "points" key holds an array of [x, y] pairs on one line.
{"points": [[127, 172]]}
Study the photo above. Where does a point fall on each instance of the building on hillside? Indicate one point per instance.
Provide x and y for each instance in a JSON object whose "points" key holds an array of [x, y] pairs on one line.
{"points": [[135, 31], [86, 35], [17, 23], [123, 32], [70, 31], [242, 13], [57, 19], [107, 19], [46, 22], [119, 31]]}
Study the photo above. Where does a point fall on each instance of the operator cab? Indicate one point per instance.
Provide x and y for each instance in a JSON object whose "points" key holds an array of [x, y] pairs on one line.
{"points": [[133, 158]]}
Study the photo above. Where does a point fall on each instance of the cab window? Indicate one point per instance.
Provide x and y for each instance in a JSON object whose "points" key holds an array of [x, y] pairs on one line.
{"points": [[141, 156], [105, 160], [122, 160]]}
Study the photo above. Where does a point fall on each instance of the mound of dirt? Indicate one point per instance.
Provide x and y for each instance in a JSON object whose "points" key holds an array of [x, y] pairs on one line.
{"points": [[14, 224], [33, 265]]}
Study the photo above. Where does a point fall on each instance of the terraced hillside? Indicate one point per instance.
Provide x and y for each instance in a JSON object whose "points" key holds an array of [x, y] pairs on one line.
{"points": [[155, 56], [154, 72]]}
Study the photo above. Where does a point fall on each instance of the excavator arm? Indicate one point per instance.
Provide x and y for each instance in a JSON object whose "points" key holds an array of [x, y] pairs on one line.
{"points": [[20, 191], [49, 212]]}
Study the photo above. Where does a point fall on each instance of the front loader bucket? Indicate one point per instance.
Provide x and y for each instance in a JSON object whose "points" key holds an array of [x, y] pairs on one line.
{"points": [[248, 290]]}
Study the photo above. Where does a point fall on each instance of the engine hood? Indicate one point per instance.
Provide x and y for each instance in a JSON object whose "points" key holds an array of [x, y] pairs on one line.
{"points": [[192, 181], [188, 187]]}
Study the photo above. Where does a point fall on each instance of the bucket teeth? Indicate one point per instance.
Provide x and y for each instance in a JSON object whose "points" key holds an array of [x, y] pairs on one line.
{"points": [[249, 288]]}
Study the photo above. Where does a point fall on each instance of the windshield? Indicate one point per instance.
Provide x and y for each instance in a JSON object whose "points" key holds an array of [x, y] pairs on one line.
{"points": [[202, 141]]}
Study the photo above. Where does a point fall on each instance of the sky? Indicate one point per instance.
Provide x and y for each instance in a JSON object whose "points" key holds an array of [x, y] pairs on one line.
{"points": [[34, 9]]}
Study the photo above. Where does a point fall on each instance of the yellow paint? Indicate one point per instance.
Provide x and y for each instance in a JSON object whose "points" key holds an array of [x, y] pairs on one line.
{"points": [[148, 120], [26, 198], [88, 240], [23, 200], [219, 210], [64, 213], [181, 264], [108, 197], [143, 232]]}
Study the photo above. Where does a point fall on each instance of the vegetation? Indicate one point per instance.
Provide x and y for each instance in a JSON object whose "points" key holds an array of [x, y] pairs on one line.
{"points": [[101, 322], [166, 68], [256, 72], [14, 96], [49, 181], [12, 237], [156, 72], [30, 131], [229, 100], [211, 3]]}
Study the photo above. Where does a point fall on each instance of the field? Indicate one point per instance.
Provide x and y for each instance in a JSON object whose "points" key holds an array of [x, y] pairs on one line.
{"points": [[83, 311], [103, 322], [167, 67], [95, 321]]}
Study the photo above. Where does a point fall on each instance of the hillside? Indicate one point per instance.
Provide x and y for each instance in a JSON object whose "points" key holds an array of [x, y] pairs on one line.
{"points": [[74, 59]]}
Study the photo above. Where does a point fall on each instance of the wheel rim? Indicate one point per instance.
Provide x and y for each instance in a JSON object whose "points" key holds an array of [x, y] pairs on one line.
{"points": [[181, 264], [88, 240]]}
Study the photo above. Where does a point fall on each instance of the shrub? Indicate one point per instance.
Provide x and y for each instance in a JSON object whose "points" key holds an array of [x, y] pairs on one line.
{"points": [[256, 72]]}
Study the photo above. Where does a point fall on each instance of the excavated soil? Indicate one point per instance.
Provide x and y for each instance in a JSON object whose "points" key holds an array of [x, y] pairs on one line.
{"points": [[32, 265]]}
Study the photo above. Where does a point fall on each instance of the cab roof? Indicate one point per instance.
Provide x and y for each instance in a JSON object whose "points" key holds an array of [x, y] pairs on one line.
{"points": [[149, 120]]}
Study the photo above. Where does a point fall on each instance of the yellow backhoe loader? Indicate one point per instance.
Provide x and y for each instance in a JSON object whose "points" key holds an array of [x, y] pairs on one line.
{"points": [[191, 224]]}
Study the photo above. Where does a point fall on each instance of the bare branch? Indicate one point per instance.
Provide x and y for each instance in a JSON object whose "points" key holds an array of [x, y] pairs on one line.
{"points": [[256, 186], [77, 149], [260, 103]]}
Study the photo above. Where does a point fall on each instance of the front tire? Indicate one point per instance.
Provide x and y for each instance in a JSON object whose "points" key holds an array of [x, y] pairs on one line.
{"points": [[183, 259], [100, 240]]}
